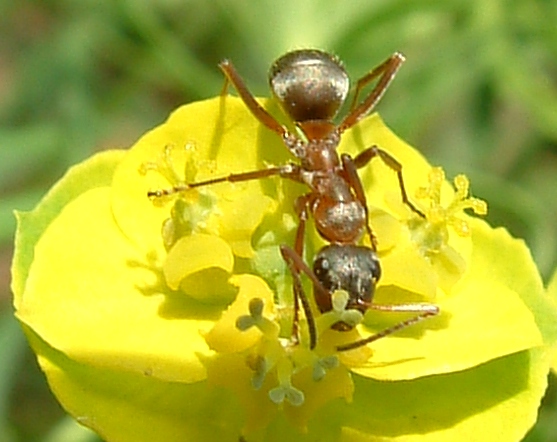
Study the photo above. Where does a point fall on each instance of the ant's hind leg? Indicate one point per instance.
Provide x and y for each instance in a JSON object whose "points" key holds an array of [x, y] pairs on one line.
{"points": [[232, 77], [386, 71]]}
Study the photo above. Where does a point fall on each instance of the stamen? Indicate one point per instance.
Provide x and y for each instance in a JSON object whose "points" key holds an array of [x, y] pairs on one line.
{"points": [[290, 362], [192, 208], [260, 368], [285, 390], [165, 166], [322, 365], [431, 233], [269, 328], [350, 317]]}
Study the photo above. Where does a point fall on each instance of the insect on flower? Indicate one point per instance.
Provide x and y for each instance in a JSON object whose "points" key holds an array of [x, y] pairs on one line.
{"points": [[311, 86]]}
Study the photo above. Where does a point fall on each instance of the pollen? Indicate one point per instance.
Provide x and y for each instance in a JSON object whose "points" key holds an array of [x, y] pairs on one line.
{"points": [[165, 165], [437, 214], [432, 231], [192, 207]]}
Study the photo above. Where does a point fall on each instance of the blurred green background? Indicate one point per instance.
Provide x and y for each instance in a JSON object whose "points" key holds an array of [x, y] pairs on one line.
{"points": [[478, 94]]}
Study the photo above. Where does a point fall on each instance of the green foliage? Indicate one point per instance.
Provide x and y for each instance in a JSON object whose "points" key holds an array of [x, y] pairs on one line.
{"points": [[477, 95]]}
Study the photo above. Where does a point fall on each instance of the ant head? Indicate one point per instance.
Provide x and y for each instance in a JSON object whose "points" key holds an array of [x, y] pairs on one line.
{"points": [[309, 84], [348, 267]]}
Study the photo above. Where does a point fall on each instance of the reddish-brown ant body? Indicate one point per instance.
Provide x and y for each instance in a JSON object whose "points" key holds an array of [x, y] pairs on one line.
{"points": [[311, 86]]}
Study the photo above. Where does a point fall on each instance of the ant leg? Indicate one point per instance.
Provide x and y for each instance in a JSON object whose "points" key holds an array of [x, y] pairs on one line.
{"points": [[232, 178], [290, 171], [232, 76], [302, 205], [386, 72], [363, 158], [424, 310], [225, 86], [354, 180], [301, 209], [296, 264]]}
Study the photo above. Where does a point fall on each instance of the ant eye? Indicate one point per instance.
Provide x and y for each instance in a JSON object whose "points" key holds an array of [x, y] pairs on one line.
{"points": [[309, 84]]}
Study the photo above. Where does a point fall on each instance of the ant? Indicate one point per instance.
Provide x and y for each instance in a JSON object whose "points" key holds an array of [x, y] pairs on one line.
{"points": [[311, 86]]}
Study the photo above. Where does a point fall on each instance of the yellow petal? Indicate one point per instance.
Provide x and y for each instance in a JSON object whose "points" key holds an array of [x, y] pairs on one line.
{"points": [[336, 384], [449, 265], [229, 370], [405, 268], [94, 296], [230, 140], [495, 310], [137, 407], [386, 227], [192, 254], [97, 171], [495, 401], [240, 217], [552, 295], [225, 337]]}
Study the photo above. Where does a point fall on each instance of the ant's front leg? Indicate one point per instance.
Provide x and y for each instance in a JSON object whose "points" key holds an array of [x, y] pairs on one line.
{"points": [[424, 311], [364, 157], [297, 266]]}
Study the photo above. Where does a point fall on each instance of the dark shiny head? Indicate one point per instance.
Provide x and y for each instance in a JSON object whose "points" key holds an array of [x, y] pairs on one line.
{"points": [[354, 269], [309, 84]]}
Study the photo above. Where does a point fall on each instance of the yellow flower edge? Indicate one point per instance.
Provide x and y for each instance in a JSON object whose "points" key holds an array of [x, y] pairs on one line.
{"points": [[110, 309], [496, 400], [94, 305], [552, 293], [482, 319], [97, 171]]}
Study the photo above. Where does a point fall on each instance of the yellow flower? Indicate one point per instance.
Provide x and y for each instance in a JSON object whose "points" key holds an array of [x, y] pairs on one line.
{"points": [[552, 292], [168, 319]]}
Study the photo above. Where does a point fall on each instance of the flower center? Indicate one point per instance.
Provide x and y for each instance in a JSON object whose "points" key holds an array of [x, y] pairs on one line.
{"points": [[283, 358]]}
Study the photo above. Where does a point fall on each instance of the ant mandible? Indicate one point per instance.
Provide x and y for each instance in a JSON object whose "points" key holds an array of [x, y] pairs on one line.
{"points": [[311, 86]]}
